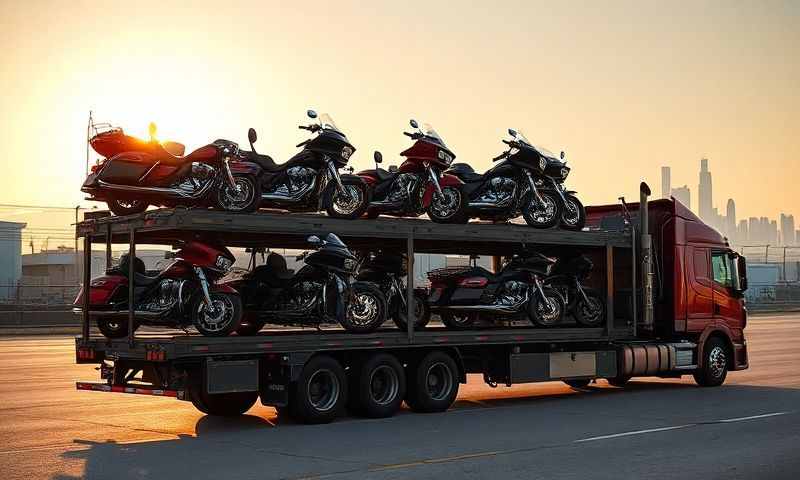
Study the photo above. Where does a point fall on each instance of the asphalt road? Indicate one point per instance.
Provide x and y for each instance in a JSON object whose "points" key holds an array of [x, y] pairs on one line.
{"points": [[749, 428]]}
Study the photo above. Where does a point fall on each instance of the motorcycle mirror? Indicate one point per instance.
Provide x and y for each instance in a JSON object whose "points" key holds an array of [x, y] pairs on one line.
{"points": [[251, 135], [562, 154], [312, 114], [512, 132], [151, 129], [413, 123], [378, 157], [314, 240]]}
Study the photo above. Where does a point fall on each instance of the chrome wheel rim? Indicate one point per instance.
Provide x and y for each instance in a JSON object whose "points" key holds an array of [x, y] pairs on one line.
{"points": [[447, 204], [384, 385], [717, 361], [218, 317], [571, 213], [461, 319], [591, 310], [439, 381], [542, 212], [238, 197], [548, 311], [363, 309], [113, 325], [347, 204], [323, 390], [129, 204]]}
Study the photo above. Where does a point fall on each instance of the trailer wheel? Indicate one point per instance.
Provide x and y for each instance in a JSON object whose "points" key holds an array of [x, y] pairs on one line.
{"points": [[320, 392], [222, 404], [618, 381], [433, 383], [716, 360], [379, 385]]}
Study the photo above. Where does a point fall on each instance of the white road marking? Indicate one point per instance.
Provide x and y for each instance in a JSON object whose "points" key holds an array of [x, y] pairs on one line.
{"points": [[635, 432], [752, 417], [677, 427]]}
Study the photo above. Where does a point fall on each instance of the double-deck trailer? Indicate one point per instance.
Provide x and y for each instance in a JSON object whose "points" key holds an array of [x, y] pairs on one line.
{"points": [[674, 306]]}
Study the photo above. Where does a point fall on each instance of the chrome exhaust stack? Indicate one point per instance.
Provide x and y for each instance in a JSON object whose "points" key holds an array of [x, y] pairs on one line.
{"points": [[646, 257]]}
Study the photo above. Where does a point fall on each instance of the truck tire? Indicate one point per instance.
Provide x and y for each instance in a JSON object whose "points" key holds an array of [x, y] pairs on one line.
{"points": [[432, 383], [378, 386], [618, 381], [321, 391], [716, 360], [578, 383], [222, 404]]}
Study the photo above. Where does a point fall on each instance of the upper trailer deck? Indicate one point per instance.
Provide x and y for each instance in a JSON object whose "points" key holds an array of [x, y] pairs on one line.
{"points": [[167, 226]]}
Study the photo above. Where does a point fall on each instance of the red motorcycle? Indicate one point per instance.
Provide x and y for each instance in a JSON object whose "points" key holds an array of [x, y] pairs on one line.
{"points": [[418, 186], [184, 293], [135, 173]]}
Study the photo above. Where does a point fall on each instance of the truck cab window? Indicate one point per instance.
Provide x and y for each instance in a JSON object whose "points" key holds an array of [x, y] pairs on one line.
{"points": [[721, 265]]}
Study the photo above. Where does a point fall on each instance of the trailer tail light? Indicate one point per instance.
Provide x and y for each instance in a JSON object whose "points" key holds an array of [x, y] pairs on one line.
{"points": [[473, 282], [85, 353], [155, 355]]}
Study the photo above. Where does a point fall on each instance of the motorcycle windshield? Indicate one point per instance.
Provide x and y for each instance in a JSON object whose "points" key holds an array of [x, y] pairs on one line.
{"points": [[432, 136], [332, 240], [327, 123], [521, 138]]}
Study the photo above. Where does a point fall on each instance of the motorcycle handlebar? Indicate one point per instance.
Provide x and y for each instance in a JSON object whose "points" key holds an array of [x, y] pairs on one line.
{"points": [[500, 157], [508, 142], [408, 134]]}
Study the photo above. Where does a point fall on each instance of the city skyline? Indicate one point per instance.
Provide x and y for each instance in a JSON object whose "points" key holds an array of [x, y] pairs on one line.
{"points": [[756, 230]]}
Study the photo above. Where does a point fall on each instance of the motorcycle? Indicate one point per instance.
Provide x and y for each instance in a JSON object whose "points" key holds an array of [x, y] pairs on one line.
{"points": [[182, 294], [386, 271], [510, 187], [466, 295], [418, 185], [320, 292], [134, 174], [310, 181], [573, 215], [584, 304]]}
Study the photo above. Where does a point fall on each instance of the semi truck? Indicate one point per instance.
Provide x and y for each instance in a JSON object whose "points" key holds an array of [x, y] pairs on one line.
{"points": [[673, 288]]}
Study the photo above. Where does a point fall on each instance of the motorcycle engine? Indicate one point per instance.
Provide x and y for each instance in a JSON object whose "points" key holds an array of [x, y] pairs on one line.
{"points": [[168, 294], [202, 171], [403, 187], [499, 192], [304, 295], [300, 178], [514, 292]]}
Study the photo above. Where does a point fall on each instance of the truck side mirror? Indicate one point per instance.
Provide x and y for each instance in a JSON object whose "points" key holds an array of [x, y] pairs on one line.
{"points": [[741, 267]]}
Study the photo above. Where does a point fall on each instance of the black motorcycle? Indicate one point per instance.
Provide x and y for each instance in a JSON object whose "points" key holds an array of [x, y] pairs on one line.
{"points": [[464, 296], [511, 188], [573, 216], [310, 181], [320, 292], [386, 271], [585, 304]]}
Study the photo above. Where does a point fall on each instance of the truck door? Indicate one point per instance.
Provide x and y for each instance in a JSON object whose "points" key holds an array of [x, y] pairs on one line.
{"points": [[699, 290], [727, 306]]}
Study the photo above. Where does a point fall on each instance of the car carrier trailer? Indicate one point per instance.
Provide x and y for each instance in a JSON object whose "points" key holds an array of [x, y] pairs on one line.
{"points": [[650, 268]]}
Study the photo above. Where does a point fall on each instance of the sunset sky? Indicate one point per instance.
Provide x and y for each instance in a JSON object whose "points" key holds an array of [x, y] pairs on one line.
{"points": [[622, 87]]}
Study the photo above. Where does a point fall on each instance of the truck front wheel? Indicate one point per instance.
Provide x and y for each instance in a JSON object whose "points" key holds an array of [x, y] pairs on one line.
{"points": [[716, 361]]}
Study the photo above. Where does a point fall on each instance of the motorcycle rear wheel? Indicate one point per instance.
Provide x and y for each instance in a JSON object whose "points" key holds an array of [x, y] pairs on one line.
{"points": [[574, 214], [458, 320], [422, 314], [589, 314], [114, 327], [120, 207], [246, 199]]}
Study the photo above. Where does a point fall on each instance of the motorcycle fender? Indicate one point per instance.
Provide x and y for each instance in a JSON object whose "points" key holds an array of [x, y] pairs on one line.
{"points": [[345, 178], [222, 288], [245, 168], [102, 289], [445, 180]]}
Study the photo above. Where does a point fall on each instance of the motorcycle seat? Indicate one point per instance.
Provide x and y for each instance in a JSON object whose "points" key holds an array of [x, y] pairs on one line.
{"points": [[142, 280], [274, 272], [266, 162], [379, 173], [465, 172]]}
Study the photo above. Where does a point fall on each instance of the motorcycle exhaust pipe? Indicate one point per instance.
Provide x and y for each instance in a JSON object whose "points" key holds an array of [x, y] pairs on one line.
{"points": [[173, 192], [123, 314], [646, 258], [482, 308]]}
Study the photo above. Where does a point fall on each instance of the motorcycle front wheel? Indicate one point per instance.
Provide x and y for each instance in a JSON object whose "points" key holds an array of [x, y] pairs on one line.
{"points": [[547, 311], [114, 327], [574, 215], [450, 207], [544, 214], [422, 313], [221, 318], [366, 309], [349, 205], [244, 197], [589, 313], [120, 207]]}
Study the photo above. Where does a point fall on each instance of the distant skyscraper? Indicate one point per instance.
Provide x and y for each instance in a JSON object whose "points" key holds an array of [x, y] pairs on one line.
{"points": [[704, 194], [787, 229], [754, 230], [773, 232], [730, 219], [742, 234], [683, 195], [666, 182]]}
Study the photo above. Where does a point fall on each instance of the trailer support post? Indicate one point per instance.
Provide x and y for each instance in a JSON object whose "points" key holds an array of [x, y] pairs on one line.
{"points": [[634, 293], [131, 270], [609, 288], [108, 246], [87, 279], [410, 319]]}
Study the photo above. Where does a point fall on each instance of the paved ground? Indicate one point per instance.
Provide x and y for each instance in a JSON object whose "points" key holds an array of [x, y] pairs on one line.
{"points": [[749, 428]]}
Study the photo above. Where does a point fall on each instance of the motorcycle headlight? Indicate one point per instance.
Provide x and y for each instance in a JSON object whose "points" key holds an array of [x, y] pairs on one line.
{"points": [[445, 157], [513, 151], [223, 263], [346, 152], [542, 163], [564, 172], [350, 264]]}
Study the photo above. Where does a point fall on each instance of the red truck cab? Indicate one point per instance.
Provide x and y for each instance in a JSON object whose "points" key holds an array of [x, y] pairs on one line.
{"points": [[698, 282]]}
